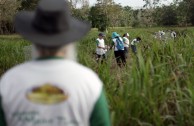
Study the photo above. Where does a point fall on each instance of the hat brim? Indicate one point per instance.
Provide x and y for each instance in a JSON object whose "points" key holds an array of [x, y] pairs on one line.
{"points": [[115, 36], [23, 25]]}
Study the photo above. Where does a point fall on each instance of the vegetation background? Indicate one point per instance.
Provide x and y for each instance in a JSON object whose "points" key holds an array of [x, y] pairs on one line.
{"points": [[156, 86], [107, 13], [154, 89]]}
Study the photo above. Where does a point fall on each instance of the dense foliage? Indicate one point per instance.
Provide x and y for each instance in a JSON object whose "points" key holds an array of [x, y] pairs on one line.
{"points": [[107, 13], [154, 89]]}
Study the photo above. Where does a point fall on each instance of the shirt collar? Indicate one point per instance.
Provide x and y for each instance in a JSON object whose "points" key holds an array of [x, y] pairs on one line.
{"points": [[50, 58]]}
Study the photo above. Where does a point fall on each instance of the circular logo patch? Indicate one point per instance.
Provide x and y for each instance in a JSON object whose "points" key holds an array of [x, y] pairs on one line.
{"points": [[47, 94]]}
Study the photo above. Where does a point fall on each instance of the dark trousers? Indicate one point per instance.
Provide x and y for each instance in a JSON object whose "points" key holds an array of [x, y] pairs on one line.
{"points": [[120, 57], [101, 57], [126, 52], [134, 49]]}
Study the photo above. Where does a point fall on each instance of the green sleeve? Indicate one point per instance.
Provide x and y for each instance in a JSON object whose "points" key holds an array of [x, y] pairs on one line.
{"points": [[124, 40], [112, 43], [100, 115], [97, 42], [2, 116]]}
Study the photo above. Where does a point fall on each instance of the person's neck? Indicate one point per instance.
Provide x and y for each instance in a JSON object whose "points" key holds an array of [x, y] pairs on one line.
{"points": [[49, 58], [56, 56]]}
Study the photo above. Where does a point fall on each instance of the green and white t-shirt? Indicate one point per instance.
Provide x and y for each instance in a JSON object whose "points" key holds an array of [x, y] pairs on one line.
{"points": [[52, 92], [100, 43], [126, 41], [134, 42], [114, 42]]}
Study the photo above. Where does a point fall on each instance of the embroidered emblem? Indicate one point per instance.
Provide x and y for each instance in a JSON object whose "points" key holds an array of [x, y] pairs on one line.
{"points": [[47, 94]]}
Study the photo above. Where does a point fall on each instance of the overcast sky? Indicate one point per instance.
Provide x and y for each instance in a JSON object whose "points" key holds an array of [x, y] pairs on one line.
{"points": [[131, 3]]}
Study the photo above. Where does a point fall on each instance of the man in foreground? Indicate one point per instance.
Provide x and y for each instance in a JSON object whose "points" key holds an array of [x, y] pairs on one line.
{"points": [[52, 90]]}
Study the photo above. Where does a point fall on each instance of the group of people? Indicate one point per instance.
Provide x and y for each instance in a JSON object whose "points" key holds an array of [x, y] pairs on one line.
{"points": [[52, 90], [162, 35], [120, 44]]}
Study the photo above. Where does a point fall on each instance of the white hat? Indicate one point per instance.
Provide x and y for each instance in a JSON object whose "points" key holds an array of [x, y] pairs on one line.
{"points": [[127, 34]]}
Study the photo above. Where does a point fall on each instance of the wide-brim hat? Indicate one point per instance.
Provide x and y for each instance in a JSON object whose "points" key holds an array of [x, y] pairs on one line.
{"points": [[115, 34], [51, 24]]}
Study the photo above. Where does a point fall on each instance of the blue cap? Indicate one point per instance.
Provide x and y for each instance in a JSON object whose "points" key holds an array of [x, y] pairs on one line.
{"points": [[101, 34], [115, 34]]}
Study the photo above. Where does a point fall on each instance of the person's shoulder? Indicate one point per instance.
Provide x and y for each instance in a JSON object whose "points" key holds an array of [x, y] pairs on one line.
{"points": [[125, 38], [120, 38], [16, 70], [114, 39], [81, 69], [87, 75], [85, 71], [97, 40]]}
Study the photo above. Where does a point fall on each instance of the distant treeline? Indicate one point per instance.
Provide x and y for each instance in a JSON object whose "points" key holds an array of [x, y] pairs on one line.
{"points": [[106, 13]]}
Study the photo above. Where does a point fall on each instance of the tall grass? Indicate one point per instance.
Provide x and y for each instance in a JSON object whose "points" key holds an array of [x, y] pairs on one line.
{"points": [[11, 51], [154, 89]]}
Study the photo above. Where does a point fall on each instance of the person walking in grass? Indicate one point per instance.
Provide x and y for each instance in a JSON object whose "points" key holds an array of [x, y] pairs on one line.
{"points": [[134, 43], [52, 90], [126, 43], [119, 52], [100, 48], [162, 35], [173, 34]]}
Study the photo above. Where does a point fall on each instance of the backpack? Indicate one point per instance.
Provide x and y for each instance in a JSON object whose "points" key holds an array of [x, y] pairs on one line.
{"points": [[120, 44]]}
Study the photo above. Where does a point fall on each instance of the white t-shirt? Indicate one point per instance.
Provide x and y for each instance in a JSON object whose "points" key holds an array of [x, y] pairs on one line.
{"points": [[100, 43], [162, 33], [49, 93], [134, 42], [126, 41], [115, 43], [173, 34]]}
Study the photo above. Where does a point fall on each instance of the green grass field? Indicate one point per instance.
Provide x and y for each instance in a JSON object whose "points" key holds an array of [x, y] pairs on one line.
{"points": [[154, 89]]}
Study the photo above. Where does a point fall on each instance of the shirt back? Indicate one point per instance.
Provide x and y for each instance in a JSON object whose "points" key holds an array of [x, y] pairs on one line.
{"points": [[49, 93]]}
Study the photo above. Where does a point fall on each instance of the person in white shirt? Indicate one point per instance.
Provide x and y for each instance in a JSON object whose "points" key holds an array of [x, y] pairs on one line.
{"points": [[162, 35], [173, 34], [126, 43], [100, 48], [52, 90], [134, 43], [119, 52]]}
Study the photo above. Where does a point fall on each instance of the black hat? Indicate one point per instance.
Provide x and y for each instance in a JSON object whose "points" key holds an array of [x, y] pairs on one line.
{"points": [[51, 24], [101, 34]]}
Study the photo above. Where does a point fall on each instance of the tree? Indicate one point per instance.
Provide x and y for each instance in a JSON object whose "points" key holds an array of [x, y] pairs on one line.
{"points": [[169, 16], [191, 2], [110, 14], [166, 15], [74, 3], [146, 18], [81, 13], [183, 13], [149, 4], [98, 17], [135, 19], [28, 4], [127, 13], [115, 15], [8, 8]]}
